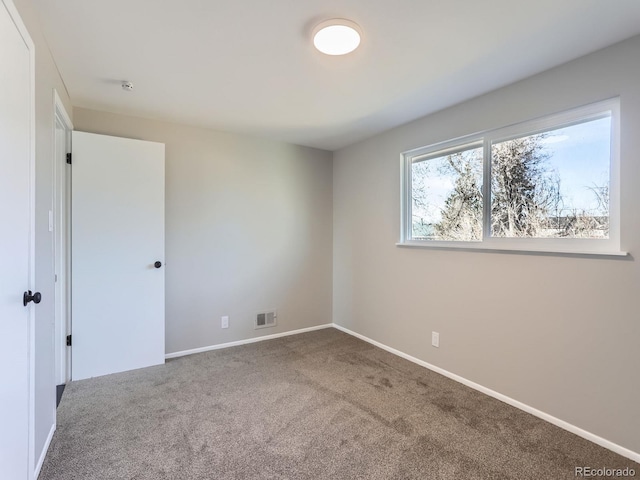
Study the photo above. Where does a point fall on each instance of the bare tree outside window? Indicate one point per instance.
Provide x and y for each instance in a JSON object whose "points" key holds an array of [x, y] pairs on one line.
{"points": [[552, 185], [524, 190]]}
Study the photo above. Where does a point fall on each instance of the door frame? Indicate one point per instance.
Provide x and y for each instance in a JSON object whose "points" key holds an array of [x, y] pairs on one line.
{"points": [[62, 242]]}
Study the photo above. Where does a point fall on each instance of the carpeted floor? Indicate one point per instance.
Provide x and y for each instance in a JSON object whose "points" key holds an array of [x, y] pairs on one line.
{"points": [[319, 405]]}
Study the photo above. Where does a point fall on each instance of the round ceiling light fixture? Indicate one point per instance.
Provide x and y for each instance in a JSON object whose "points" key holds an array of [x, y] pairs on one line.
{"points": [[336, 36]]}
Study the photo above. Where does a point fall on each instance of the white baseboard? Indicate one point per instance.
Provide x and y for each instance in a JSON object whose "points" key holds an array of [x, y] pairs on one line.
{"points": [[45, 449], [614, 447], [244, 342]]}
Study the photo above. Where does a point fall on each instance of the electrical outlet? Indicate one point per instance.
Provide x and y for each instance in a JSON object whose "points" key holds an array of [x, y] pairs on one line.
{"points": [[435, 339], [225, 322]]}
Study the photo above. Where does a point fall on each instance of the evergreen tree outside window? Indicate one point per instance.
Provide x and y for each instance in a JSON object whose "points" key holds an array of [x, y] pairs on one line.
{"points": [[447, 196]]}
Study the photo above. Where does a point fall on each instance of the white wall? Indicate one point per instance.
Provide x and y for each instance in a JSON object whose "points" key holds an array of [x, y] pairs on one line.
{"points": [[47, 78], [248, 228], [558, 333]]}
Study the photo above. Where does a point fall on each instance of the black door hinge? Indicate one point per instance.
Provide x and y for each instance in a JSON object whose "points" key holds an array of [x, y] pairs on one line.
{"points": [[69, 158], [68, 340]]}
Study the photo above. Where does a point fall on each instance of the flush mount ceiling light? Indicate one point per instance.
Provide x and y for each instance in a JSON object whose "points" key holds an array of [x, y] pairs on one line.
{"points": [[336, 36]]}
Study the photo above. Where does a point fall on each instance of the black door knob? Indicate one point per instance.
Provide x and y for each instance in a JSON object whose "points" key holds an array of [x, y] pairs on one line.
{"points": [[29, 296], [157, 264]]}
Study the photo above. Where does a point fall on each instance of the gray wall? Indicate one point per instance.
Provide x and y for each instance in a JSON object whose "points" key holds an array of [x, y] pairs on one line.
{"points": [[558, 333], [47, 78], [248, 228]]}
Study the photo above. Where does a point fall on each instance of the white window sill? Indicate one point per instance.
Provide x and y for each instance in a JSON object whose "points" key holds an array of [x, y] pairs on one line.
{"points": [[479, 247]]}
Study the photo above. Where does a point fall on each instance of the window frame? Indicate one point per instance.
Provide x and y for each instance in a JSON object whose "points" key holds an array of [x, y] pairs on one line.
{"points": [[610, 246]]}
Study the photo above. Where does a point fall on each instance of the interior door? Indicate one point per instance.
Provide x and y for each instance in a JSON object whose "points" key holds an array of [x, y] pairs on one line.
{"points": [[16, 246], [117, 254]]}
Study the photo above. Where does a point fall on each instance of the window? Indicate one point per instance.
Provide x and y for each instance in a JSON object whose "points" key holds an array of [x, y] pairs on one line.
{"points": [[550, 184], [446, 195]]}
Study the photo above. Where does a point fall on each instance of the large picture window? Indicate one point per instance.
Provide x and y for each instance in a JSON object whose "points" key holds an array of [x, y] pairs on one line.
{"points": [[549, 184]]}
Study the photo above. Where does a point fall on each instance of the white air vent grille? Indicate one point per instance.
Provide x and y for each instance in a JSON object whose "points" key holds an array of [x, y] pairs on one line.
{"points": [[266, 319]]}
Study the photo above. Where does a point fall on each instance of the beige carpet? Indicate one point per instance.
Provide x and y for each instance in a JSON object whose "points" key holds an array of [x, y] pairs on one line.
{"points": [[320, 405]]}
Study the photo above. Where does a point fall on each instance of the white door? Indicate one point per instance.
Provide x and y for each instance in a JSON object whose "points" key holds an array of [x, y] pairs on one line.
{"points": [[16, 246], [117, 236]]}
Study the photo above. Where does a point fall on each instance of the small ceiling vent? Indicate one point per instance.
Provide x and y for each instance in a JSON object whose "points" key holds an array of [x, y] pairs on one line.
{"points": [[266, 319]]}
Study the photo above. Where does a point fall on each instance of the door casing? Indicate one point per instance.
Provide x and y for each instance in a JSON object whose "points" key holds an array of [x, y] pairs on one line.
{"points": [[62, 237]]}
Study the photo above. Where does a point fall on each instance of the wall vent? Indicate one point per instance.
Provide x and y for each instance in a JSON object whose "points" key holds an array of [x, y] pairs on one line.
{"points": [[266, 319]]}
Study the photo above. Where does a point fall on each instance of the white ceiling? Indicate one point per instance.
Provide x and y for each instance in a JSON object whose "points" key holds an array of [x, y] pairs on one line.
{"points": [[249, 66]]}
